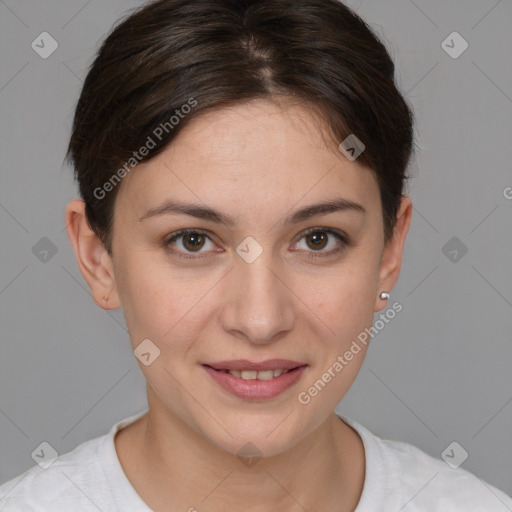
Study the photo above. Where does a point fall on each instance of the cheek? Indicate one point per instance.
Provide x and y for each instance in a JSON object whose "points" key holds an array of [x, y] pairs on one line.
{"points": [[150, 301], [345, 301], [348, 314], [163, 305]]}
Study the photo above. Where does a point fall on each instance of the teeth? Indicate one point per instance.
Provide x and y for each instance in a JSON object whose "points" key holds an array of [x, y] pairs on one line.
{"points": [[253, 375], [265, 375]]}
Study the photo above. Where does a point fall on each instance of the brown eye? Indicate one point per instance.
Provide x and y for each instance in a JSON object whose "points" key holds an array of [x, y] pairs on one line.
{"points": [[193, 241], [317, 240], [186, 243]]}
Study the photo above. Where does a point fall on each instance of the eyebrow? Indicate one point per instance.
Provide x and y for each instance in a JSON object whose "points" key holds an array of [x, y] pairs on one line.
{"points": [[202, 212]]}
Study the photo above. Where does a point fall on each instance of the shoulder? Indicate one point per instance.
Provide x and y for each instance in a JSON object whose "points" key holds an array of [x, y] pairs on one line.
{"points": [[64, 484], [420, 482], [88, 478], [428, 481]]}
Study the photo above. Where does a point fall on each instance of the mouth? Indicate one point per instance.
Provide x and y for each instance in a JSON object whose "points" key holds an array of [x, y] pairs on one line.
{"points": [[254, 375], [255, 381], [248, 365]]}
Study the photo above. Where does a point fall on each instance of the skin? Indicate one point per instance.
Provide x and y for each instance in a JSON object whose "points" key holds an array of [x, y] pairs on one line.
{"points": [[257, 162]]}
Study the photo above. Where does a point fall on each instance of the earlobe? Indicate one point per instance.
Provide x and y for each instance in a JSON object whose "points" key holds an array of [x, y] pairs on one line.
{"points": [[392, 255], [92, 257]]}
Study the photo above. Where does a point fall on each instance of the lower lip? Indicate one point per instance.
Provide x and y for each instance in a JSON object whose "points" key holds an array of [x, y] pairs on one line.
{"points": [[256, 389]]}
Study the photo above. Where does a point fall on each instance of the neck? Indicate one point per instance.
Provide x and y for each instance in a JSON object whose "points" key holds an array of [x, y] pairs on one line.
{"points": [[169, 463]]}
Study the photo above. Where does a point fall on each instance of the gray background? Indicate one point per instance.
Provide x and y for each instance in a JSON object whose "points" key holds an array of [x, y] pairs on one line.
{"points": [[439, 372]]}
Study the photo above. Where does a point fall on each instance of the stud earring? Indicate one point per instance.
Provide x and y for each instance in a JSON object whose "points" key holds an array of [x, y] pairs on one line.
{"points": [[384, 295]]}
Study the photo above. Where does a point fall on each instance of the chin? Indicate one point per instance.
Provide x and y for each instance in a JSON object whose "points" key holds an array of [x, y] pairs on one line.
{"points": [[248, 445], [266, 434]]}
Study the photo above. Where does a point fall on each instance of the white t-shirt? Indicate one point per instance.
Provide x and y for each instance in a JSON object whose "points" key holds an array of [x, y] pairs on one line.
{"points": [[399, 477]]}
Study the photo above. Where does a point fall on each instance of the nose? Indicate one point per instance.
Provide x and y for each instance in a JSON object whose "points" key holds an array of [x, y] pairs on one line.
{"points": [[258, 304]]}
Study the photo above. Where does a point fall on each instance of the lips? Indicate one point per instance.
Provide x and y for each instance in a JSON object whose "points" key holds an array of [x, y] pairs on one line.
{"points": [[251, 380], [245, 364]]}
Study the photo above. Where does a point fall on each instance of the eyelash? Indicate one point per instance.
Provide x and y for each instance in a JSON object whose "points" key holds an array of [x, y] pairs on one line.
{"points": [[343, 239]]}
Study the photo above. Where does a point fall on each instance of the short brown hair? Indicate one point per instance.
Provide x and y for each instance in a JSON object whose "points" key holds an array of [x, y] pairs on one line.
{"points": [[216, 53]]}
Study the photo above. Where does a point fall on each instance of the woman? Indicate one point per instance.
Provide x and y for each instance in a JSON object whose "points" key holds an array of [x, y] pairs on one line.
{"points": [[241, 167]]}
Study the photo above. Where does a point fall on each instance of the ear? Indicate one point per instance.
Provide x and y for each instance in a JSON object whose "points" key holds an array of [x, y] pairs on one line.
{"points": [[93, 260], [391, 261]]}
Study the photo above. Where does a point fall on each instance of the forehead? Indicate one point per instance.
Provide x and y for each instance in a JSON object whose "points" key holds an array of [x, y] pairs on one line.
{"points": [[251, 157]]}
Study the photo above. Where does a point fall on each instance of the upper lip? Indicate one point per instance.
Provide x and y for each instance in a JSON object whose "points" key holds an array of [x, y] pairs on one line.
{"points": [[245, 364]]}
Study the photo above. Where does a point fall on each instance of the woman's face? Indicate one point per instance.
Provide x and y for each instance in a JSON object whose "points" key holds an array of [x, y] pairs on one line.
{"points": [[254, 286]]}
